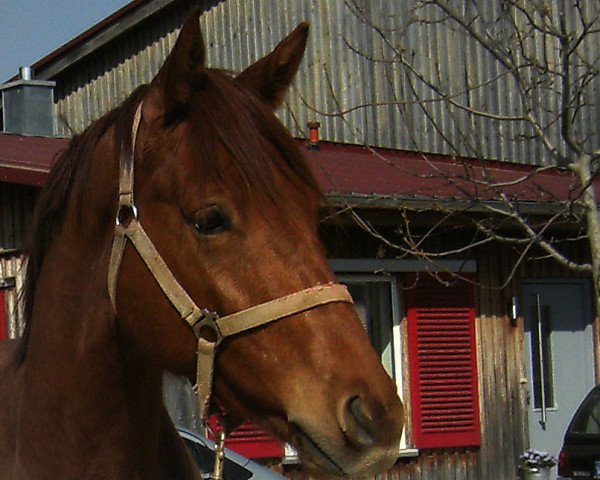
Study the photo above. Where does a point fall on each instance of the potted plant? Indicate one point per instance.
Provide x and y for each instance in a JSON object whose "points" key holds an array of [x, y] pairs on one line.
{"points": [[537, 465]]}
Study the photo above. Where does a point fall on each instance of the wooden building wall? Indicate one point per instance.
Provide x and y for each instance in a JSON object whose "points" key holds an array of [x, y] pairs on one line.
{"points": [[502, 379], [16, 207], [11, 270]]}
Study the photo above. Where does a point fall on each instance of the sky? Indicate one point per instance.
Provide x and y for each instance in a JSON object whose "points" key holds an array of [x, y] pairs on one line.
{"points": [[30, 29]]}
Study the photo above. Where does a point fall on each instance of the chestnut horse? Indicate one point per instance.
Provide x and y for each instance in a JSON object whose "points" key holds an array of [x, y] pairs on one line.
{"points": [[232, 208]]}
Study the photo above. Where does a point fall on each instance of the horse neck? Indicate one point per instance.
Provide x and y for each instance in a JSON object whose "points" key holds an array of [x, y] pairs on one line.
{"points": [[72, 317], [84, 388]]}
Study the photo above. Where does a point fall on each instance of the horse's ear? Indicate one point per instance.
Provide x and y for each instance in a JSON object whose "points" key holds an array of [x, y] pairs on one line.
{"points": [[172, 88], [272, 75]]}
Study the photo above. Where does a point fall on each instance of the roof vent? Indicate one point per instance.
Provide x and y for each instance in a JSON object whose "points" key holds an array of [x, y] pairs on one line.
{"points": [[28, 105]]}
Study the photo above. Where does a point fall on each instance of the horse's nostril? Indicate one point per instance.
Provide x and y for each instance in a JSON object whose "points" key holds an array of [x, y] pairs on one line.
{"points": [[357, 423]]}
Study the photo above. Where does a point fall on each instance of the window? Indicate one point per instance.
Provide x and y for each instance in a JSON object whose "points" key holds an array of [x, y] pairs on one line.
{"points": [[376, 302], [541, 356], [443, 365], [587, 417]]}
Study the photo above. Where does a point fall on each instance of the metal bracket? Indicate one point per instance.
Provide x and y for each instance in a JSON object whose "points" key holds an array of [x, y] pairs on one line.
{"points": [[8, 282]]}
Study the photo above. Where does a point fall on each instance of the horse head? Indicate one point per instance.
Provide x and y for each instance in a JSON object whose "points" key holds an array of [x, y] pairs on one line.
{"points": [[233, 209]]}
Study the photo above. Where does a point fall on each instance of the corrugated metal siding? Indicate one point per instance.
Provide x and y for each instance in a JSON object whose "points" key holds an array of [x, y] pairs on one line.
{"points": [[102, 81], [11, 266], [333, 78]]}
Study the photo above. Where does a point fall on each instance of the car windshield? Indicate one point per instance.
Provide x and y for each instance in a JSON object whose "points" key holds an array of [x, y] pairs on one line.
{"points": [[587, 420]]}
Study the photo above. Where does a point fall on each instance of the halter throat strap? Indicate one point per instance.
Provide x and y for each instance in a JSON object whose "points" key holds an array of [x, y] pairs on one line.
{"points": [[208, 327]]}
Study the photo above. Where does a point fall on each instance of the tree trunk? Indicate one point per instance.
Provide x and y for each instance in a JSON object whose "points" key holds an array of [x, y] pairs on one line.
{"points": [[583, 168]]}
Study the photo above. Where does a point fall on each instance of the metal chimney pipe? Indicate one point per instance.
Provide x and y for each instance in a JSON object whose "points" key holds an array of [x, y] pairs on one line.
{"points": [[25, 73]]}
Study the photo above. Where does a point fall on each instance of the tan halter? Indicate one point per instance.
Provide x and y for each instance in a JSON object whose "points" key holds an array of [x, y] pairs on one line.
{"points": [[129, 227]]}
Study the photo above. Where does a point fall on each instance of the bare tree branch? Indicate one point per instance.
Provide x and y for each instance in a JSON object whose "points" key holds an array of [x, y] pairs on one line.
{"points": [[545, 59]]}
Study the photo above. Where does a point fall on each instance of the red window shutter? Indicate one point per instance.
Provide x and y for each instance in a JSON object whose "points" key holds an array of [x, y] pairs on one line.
{"points": [[250, 441], [3, 318], [443, 363]]}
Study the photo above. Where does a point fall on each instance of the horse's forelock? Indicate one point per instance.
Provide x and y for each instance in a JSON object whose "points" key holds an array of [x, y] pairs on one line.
{"points": [[259, 146]]}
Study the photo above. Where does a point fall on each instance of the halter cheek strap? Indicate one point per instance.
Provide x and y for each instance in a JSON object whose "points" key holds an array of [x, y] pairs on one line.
{"points": [[128, 227]]}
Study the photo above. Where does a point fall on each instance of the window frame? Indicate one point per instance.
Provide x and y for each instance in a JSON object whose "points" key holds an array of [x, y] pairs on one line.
{"points": [[404, 450]]}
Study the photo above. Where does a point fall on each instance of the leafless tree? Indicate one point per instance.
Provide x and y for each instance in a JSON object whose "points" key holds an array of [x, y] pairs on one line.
{"points": [[508, 80]]}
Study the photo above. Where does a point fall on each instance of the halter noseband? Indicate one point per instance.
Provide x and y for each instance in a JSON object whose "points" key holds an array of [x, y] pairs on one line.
{"points": [[129, 227]]}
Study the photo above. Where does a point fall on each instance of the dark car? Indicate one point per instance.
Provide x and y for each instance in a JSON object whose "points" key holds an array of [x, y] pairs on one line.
{"points": [[580, 454], [236, 466]]}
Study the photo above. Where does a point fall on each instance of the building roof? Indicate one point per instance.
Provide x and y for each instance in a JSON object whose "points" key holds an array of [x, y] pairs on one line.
{"points": [[26, 159], [359, 176], [386, 178], [98, 36]]}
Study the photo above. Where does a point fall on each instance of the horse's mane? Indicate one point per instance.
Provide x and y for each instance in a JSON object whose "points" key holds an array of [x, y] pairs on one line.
{"points": [[70, 169], [224, 112]]}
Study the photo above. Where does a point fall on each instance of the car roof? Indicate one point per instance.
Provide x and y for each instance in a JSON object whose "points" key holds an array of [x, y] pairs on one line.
{"points": [[592, 397]]}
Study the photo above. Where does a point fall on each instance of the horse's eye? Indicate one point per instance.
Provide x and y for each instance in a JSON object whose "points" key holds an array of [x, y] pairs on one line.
{"points": [[212, 220]]}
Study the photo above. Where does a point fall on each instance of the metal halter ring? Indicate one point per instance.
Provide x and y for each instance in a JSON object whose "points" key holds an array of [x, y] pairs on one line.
{"points": [[208, 320], [125, 215]]}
